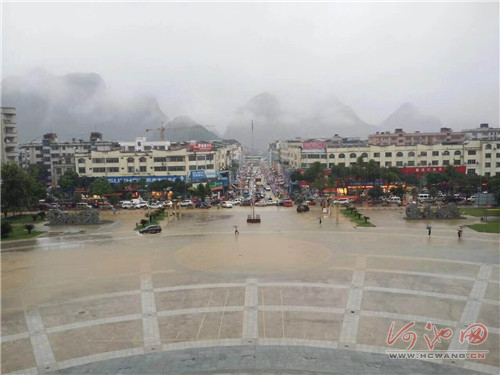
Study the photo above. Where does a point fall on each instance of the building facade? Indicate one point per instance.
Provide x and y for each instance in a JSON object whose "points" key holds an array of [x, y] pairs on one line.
{"points": [[9, 135], [483, 133], [479, 157], [400, 138]]}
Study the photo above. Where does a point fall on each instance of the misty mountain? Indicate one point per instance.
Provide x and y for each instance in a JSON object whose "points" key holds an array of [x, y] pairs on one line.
{"points": [[75, 104], [274, 120], [409, 118]]}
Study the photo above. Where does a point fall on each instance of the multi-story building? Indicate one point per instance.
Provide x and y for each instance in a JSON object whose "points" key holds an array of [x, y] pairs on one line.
{"points": [[481, 158], [400, 138], [9, 135], [58, 156], [483, 133], [184, 161]]}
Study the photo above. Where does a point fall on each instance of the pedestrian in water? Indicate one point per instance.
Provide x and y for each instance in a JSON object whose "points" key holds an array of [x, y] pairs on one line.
{"points": [[319, 221], [459, 232], [429, 228], [236, 230]]}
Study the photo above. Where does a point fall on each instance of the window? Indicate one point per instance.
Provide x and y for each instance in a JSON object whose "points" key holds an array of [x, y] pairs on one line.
{"points": [[376, 154], [303, 165], [423, 153], [192, 157], [471, 171], [210, 157], [341, 156], [81, 160], [411, 163], [446, 153], [331, 165], [176, 158], [147, 148], [352, 155], [130, 160], [99, 170], [142, 168], [352, 163], [399, 154], [177, 169], [192, 167], [160, 160], [446, 162], [411, 153], [456, 162], [210, 166], [130, 169], [471, 161], [487, 165], [113, 169], [388, 164], [498, 165], [364, 155], [399, 164], [488, 147], [435, 153], [161, 169], [435, 162], [112, 160], [487, 156], [142, 160], [332, 156], [81, 170], [498, 154], [423, 162], [341, 164], [98, 160], [388, 155], [322, 156], [457, 153], [471, 152]]}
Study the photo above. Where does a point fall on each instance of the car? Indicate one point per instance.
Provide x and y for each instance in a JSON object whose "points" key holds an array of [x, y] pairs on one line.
{"points": [[186, 203], [394, 200], [472, 198], [343, 201], [261, 203], [150, 229], [83, 206], [246, 202], [154, 206], [271, 203], [288, 203], [127, 205], [203, 205], [167, 203], [106, 206], [227, 204]]}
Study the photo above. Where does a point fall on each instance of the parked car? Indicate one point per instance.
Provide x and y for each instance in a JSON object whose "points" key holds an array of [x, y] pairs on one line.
{"points": [[227, 204], [343, 201], [271, 202], [82, 206], [106, 206], [203, 205], [287, 203], [127, 205], [186, 203], [150, 229], [261, 203], [394, 200], [167, 203]]}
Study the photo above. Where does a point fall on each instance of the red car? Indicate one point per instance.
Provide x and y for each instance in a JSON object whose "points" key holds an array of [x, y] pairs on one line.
{"points": [[288, 203]]}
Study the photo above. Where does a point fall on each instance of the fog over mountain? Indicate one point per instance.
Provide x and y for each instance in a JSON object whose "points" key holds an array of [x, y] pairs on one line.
{"points": [[274, 119], [410, 119], [75, 104]]}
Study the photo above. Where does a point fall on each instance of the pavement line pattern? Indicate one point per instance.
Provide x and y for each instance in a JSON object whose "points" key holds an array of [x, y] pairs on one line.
{"points": [[94, 322], [426, 274], [204, 315], [199, 286], [349, 331], [415, 292], [222, 315], [328, 310], [304, 285], [44, 356], [472, 307], [299, 342], [28, 371], [17, 336], [200, 310], [481, 368], [99, 357], [150, 327], [407, 317], [91, 298], [251, 312]]}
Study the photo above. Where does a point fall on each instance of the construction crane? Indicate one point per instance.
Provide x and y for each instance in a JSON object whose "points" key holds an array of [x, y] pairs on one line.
{"points": [[161, 129]]}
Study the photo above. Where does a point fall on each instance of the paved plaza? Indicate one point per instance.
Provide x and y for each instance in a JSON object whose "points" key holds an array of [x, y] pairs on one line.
{"points": [[288, 295]]}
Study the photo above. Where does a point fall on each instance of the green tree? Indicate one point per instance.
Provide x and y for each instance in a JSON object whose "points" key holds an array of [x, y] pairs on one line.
{"points": [[398, 191], [6, 228], [67, 182], [376, 192], [313, 172], [100, 187], [29, 227], [17, 188], [433, 192]]}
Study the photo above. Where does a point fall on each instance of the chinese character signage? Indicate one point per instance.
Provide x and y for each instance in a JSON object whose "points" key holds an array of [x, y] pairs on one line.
{"points": [[200, 147]]}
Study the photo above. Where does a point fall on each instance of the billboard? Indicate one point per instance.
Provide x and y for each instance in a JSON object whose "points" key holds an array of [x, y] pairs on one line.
{"points": [[313, 146], [149, 179], [200, 147], [197, 175]]}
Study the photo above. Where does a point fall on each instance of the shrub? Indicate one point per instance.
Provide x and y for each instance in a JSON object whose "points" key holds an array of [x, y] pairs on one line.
{"points": [[6, 229], [29, 227], [144, 222]]}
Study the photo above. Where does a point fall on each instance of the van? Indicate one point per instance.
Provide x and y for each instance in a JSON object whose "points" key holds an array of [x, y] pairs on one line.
{"points": [[127, 204], [424, 198], [83, 206]]}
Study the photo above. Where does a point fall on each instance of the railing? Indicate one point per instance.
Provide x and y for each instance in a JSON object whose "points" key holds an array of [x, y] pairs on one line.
{"points": [[252, 216]]}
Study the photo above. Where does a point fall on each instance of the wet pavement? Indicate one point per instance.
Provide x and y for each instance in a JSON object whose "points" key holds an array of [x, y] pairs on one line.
{"points": [[82, 296]]}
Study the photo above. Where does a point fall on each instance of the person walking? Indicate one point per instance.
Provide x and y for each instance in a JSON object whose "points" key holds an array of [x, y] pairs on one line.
{"points": [[459, 232], [319, 221], [236, 231], [429, 228]]}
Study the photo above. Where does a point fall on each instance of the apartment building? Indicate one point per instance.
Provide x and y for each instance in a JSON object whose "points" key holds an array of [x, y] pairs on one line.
{"points": [[483, 133], [400, 138], [182, 161], [481, 158], [9, 135]]}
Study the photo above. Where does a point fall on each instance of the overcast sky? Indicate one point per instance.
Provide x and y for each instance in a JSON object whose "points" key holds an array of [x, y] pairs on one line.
{"points": [[206, 60]]}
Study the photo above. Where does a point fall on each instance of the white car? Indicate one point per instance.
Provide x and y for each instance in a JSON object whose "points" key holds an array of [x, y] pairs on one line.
{"points": [[341, 201], [127, 205], [261, 203], [167, 204], [186, 203], [154, 205], [271, 203], [227, 204]]}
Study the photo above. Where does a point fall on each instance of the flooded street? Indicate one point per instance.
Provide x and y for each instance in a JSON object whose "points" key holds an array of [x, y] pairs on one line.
{"points": [[89, 289]]}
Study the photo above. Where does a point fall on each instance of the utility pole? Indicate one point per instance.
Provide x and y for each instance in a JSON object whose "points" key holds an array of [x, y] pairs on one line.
{"points": [[253, 151]]}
